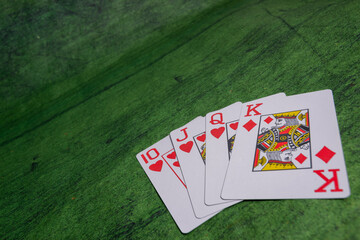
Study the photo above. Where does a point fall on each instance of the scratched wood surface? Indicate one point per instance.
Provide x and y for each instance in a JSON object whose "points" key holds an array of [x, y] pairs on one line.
{"points": [[86, 86]]}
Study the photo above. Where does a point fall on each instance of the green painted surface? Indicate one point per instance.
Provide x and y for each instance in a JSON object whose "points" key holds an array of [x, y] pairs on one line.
{"points": [[86, 86]]}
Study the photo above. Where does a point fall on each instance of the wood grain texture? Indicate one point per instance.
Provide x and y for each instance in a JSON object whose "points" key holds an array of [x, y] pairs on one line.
{"points": [[86, 86]]}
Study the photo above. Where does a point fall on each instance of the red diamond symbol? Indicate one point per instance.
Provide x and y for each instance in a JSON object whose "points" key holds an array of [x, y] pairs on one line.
{"points": [[301, 158], [325, 154], [268, 120], [249, 125]]}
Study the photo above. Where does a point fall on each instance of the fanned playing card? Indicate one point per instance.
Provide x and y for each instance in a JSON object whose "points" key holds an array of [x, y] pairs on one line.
{"points": [[288, 148], [189, 145], [221, 127], [161, 166]]}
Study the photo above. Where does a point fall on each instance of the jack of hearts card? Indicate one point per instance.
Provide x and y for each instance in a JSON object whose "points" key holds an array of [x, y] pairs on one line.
{"points": [[190, 148]]}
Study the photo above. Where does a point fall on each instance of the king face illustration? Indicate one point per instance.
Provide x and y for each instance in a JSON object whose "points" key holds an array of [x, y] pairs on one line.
{"points": [[283, 142]]}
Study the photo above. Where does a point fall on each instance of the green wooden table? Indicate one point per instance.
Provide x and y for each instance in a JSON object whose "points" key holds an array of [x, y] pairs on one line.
{"points": [[86, 85]]}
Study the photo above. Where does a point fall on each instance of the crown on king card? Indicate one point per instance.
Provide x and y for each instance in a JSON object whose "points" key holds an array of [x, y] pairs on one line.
{"points": [[292, 114]]}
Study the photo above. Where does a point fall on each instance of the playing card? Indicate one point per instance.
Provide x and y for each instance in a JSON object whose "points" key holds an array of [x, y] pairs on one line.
{"points": [[189, 145], [221, 127], [161, 166], [288, 149]]}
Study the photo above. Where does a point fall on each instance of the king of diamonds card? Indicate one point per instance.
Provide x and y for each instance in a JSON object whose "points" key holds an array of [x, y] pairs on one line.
{"points": [[288, 148]]}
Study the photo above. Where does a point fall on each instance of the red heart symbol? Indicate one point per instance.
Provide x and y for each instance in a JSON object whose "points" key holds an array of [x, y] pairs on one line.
{"points": [[234, 125], [156, 166], [176, 164], [186, 147], [172, 155], [217, 132], [201, 138]]}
